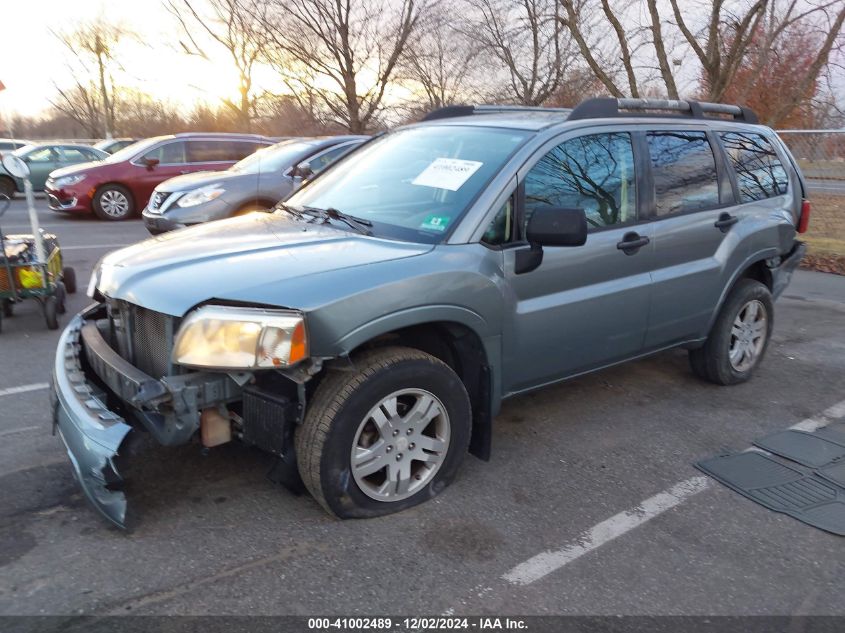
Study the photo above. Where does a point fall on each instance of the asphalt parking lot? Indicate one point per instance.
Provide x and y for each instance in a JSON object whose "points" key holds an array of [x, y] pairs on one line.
{"points": [[597, 471]]}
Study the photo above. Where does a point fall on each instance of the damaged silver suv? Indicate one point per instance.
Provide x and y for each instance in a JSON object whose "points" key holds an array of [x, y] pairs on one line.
{"points": [[368, 330]]}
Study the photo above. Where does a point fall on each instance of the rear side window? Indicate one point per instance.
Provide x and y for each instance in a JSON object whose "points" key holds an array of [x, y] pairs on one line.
{"points": [[593, 172], [684, 172], [759, 172], [211, 151], [168, 154]]}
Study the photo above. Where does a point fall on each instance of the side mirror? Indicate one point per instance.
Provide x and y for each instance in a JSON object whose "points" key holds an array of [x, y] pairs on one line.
{"points": [[303, 170], [550, 226], [151, 163], [555, 226]]}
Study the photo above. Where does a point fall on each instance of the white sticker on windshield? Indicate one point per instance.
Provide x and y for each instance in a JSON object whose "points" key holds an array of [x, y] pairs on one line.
{"points": [[447, 173]]}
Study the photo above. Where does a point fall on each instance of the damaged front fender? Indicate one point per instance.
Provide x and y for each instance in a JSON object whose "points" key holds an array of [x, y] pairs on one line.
{"points": [[92, 434]]}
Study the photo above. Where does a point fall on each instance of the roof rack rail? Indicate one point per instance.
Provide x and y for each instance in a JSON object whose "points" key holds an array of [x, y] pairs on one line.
{"points": [[607, 107], [448, 112]]}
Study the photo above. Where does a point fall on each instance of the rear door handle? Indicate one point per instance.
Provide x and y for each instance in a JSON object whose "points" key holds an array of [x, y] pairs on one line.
{"points": [[631, 243], [725, 221]]}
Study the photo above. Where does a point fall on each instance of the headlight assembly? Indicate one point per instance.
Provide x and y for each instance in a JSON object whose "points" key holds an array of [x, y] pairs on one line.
{"points": [[67, 181], [201, 195], [222, 337]]}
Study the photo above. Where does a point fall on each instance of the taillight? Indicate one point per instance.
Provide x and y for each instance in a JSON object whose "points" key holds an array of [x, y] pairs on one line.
{"points": [[804, 220]]}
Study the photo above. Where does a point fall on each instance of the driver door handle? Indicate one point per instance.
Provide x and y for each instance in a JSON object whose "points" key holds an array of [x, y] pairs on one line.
{"points": [[632, 242], [725, 221]]}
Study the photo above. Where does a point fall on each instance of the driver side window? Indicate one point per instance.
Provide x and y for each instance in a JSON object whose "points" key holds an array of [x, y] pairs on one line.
{"points": [[43, 155], [594, 172]]}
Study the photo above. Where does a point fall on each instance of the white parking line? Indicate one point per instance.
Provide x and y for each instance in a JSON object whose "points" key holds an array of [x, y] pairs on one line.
{"points": [[24, 388], [546, 562], [22, 429], [84, 246]]}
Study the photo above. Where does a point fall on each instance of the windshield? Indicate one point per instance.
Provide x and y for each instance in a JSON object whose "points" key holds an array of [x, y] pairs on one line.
{"points": [[26, 149], [130, 151], [272, 159], [416, 183]]}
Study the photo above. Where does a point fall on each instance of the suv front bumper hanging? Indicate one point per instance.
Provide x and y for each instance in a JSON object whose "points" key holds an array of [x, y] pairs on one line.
{"points": [[93, 434]]}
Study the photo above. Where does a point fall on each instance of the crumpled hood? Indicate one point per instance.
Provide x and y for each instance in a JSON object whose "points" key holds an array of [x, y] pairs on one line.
{"points": [[78, 168], [188, 182], [173, 272]]}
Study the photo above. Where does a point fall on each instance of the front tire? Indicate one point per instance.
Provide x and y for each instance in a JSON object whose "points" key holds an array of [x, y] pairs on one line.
{"points": [[113, 203], [386, 436], [739, 338], [51, 309]]}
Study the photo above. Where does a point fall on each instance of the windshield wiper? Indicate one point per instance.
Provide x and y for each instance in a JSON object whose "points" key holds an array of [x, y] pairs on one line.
{"points": [[294, 211], [358, 224]]}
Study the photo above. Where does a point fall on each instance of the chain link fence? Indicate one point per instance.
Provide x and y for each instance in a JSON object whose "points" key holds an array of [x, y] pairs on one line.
{"points": [[820, 153]]}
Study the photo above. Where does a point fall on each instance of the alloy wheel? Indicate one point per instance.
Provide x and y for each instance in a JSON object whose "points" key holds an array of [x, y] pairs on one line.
{"points": [[400, 445], [748, 335]]}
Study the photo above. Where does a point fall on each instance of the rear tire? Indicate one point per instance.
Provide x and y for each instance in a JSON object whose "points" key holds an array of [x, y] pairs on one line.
{"points": [[69, 279], [739, 337], [401, 415], [51, 309], [8, 310], [113, 203]]}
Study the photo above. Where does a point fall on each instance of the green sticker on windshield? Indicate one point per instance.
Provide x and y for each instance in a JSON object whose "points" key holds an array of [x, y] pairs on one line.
{"points": [[435, 223]]}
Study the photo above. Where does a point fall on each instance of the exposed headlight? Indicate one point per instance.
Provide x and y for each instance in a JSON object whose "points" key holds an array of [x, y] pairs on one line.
{"points": [[221, 337], [201, 195], [66, 181]]}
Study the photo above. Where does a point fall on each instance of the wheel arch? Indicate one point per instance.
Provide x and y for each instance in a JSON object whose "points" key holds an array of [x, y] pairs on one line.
{"points": [[461, 347], [754, 267], [265, 202]]}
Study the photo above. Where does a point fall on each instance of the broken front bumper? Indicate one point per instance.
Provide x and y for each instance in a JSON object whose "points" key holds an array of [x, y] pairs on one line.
{"points": [[91, 433], [87, 375]]}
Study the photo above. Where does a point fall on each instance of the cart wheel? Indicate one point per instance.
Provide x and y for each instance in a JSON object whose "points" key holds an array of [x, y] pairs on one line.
{"points": [[69, 277], [61, 297], [1, 322], [7, 308], [51, 306]]}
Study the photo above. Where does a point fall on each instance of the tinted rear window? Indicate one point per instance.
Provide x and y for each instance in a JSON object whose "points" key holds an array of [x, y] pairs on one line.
{"points": [[684, 172], [759, 172], [212, 151]]}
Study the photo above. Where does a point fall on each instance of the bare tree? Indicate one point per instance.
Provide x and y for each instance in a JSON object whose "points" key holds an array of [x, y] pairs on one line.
{"points": [[722, 43], [341, 54], [91, 101], [439, 59], [604, 43], [528, 40], [234, 25]]}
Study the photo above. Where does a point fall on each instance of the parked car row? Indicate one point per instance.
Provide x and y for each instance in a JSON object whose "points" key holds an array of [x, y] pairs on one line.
{"points": [[256, 183], [174, 179], [44, 159]]}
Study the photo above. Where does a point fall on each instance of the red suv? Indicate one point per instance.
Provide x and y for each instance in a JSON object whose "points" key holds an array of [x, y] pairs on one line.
{"points": [[121, 184]]}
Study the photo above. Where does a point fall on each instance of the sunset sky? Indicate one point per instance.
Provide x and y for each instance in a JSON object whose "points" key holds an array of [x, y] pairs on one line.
{"points": [[153, 65]]}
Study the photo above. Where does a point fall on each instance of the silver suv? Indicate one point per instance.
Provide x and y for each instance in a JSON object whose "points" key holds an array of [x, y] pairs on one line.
{"points": [[368, 330]]}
